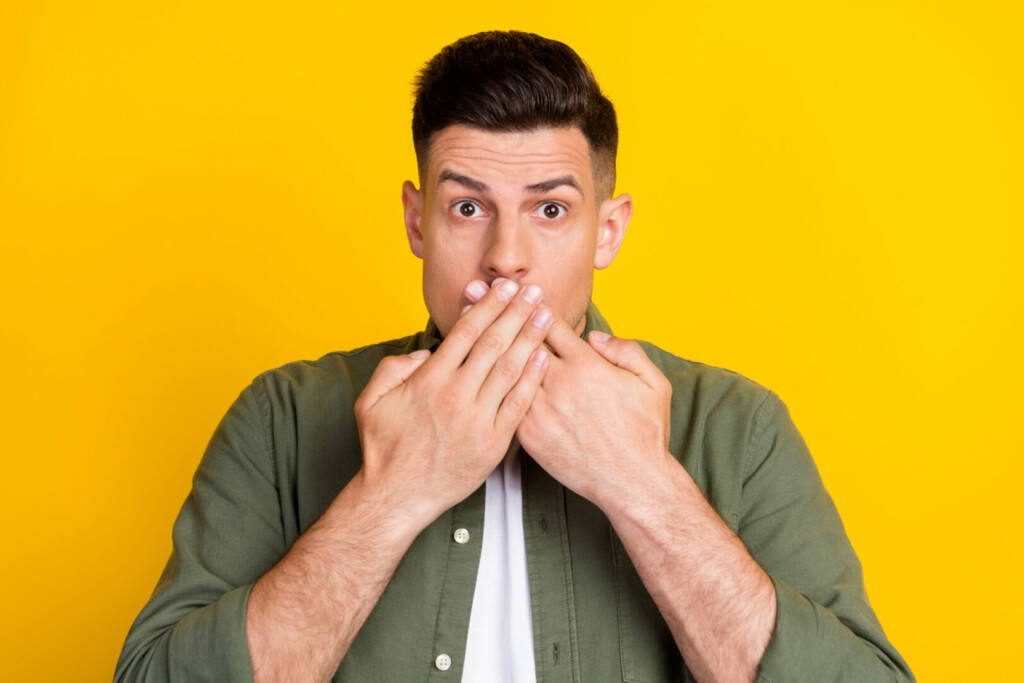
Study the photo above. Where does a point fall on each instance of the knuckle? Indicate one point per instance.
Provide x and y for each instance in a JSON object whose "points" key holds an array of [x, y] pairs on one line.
{"points": [[505, 367], [517, 403], [445, 402], [490, 342], [466, 331], [419, 378]]}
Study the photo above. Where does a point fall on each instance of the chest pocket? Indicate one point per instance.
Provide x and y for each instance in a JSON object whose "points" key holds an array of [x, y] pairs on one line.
{"points": [[647, 650]]}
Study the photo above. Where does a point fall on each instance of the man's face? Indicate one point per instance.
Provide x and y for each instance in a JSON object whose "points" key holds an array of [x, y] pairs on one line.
{"points": [[520, 205]]}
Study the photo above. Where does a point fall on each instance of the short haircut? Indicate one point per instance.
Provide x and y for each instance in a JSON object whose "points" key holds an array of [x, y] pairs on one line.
{"points": [[513, 80]]}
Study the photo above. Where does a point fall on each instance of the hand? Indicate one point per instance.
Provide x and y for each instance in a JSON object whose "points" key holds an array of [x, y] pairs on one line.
{"points": [[601, 417], [433, 427]]}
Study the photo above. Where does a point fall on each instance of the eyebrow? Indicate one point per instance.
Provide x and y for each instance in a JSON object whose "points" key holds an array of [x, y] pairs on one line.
{"points": [[543, 186]]}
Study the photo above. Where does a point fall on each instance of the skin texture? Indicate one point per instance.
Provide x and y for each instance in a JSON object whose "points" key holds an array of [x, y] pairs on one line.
{"points": [[594, 413], [509, 232]]}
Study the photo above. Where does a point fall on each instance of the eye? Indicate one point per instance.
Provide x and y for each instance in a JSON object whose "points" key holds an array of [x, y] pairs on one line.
{"points": [[466, 208], [553, 211]]}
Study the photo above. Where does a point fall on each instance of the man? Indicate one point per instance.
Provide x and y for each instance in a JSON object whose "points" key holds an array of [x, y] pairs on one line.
{"points": [[509, 494]]}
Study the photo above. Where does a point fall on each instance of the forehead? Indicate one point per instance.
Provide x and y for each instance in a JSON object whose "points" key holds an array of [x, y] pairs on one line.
{"points": [[523, 154]]}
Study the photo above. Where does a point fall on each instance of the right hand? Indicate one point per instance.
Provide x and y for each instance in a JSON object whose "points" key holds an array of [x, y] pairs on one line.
{"points": [[433, 428]]}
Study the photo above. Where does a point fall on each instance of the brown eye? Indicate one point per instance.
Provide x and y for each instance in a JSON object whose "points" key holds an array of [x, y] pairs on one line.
{"points": [[552, 210], [467, 209]]}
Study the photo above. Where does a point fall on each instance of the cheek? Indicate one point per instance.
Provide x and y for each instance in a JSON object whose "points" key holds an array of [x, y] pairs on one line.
{"points": [[448, 247], [446, 272], [567, 283], [449, 255]]}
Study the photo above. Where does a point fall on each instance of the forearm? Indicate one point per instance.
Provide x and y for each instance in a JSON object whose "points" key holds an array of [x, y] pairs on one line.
{"points": [[716, 600], [305, 612]]}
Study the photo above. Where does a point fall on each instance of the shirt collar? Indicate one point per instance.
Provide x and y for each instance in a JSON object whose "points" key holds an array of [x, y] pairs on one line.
{"points": [[430, 336]]}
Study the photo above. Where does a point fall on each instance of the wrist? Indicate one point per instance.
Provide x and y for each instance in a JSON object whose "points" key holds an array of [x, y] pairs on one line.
{"points": [[660, 479], [393, 513]]}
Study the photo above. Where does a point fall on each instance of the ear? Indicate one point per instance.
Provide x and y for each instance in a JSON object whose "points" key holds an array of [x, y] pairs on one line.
{"points": [[412, 200], [612, 219]]}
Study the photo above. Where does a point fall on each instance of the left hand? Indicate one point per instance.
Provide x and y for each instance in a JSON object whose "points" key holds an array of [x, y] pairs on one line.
{"points": [[599, 422]]}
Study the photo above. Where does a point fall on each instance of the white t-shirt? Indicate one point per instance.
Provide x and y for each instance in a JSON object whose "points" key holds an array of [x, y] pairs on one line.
{"points": [[499, 647]]}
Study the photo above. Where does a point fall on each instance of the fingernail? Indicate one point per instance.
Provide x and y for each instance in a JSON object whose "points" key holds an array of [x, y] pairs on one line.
{"points": [[540, 356], [541, 317], [507, 289], [531, 294], [422, 353], [465, 308], [476, 289], [600, 336]]}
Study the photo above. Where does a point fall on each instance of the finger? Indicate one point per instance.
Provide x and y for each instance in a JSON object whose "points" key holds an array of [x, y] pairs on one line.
{"points": [[563, 339], [457, 344], [507, 369], [517, 402], [390, 372], [495, 341], [628, 355]]}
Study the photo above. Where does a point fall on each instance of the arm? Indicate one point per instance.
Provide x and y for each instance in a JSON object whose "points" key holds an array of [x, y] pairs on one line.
{"points": [[717, 602], [305, 612], [428, 438], [227, 533], [216, 585], [825, 629], [783, 601], [603, 429]]}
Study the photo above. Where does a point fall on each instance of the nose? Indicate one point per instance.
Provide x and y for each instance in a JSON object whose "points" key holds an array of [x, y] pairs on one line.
{"points": [[508, 252]]}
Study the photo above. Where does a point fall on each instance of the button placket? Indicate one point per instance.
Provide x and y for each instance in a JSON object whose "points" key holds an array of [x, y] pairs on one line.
{"points": [[463, 527], [548, 563]]}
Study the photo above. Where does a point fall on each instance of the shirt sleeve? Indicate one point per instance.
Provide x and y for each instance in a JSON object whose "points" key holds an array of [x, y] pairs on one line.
{"points": [[825, 628], [227, 534]]}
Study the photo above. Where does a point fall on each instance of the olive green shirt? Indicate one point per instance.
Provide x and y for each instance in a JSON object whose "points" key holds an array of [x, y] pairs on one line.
{"points": [[289, 443]]}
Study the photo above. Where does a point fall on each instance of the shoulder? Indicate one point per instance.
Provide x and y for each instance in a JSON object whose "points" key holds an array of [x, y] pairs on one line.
{"points": [[717, 416], [335, 374], [708, 387]]}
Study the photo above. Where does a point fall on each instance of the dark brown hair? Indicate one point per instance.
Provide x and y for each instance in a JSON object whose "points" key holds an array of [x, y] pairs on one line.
{"points": [[512, 80]]}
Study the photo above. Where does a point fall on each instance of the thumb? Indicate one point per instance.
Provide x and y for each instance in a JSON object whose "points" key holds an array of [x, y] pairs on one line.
{"points": [[626, 354], [391, 372]]}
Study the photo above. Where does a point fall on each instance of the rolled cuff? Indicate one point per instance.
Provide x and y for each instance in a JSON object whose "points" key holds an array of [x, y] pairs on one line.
{"points": [[810, 643], [210, 644], [207, 644]]}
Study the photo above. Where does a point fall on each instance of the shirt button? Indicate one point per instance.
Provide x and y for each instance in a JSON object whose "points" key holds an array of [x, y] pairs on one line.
{"points": [[443, 662], [461, 535]]}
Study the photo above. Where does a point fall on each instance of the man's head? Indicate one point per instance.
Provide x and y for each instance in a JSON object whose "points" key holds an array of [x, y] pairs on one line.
{"points": [[516, 147]]}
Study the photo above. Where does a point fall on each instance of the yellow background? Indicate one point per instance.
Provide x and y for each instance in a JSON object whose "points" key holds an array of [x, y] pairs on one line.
{"points": [[827, 200]]}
